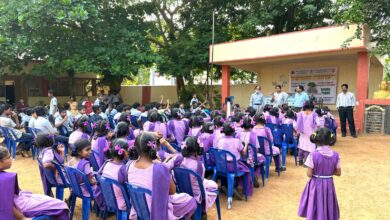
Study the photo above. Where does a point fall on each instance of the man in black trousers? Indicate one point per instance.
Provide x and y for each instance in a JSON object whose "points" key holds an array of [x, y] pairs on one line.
{"points": [[345, 105]]}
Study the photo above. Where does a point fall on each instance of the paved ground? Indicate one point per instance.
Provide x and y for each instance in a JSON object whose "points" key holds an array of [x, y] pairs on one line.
{"points": [[363, 189]]}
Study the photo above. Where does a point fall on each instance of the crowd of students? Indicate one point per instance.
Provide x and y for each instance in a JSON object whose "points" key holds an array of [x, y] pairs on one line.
{"points": [[163, 137]]}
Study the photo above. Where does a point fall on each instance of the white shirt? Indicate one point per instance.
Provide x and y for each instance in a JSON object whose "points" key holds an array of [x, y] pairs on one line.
{"points": [[67, 124], [9, 123], [345, 100], [31, 122], [45, 126], [117, 115], [103, 115], [280, 99], [53, 105], [97, 102], [135, 112]]}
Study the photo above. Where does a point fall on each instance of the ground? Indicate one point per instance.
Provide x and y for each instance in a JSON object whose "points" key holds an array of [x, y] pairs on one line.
{"points": [[363, 190]]}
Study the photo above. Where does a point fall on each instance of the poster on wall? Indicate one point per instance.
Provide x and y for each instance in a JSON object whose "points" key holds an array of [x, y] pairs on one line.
{"points": [[319, 82]]}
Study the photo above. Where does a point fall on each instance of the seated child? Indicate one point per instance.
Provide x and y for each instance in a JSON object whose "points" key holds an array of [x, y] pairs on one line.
{"points": [[101, 131], [19, 204]]}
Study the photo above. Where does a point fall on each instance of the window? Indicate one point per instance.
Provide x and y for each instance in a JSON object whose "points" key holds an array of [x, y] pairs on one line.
{"points": [[34, 88]]}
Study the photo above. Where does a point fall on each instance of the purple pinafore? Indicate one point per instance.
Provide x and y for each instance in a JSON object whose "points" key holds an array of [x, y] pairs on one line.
{"points": [[98, 144], [178, 130], [319, 200], [306, 126], [31, 205]]}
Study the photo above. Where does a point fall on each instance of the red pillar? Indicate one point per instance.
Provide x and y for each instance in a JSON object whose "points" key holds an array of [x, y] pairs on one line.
{"points": [[225, 82], [361, 87], [146, 93]]}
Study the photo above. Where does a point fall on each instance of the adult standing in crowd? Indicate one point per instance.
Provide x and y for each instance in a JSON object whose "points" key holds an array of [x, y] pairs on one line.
{"points": [[53, 103], [257, 100], [300, 98], [278, 97], [345, 105]]}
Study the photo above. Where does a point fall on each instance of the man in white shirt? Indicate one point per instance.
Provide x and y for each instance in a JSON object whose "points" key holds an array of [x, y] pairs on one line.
{"points": [[279, 98], [257, 100], [53, 103], [345, 104]]}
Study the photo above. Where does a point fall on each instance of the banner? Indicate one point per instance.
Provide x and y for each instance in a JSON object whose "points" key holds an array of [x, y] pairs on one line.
{"points": [[320, 82]]}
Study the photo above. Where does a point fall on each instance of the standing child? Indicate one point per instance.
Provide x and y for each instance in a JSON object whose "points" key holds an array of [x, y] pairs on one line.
{"points": [[319, 200], [101, 131], [17, 204], [149, 173], [234, 146], [192, 154], [115, 168], [306, 125], [260, 130], [80, 161]]}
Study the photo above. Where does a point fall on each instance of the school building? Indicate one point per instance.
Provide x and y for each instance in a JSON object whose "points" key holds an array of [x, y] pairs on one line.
{"points": [[33, 88], [313, 58]]}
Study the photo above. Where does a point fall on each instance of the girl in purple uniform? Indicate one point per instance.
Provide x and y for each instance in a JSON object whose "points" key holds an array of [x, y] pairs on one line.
{"points": [[235, 146], [177, 127], [218, 122], [192, 154], [155, 124], [80, 161], [320, 119], [319, 200], [122, 132], [82, 124], [150, 173], [101, 131], [273, 116], [18, 204], [195, 126], [306, 125], [115, 168]]}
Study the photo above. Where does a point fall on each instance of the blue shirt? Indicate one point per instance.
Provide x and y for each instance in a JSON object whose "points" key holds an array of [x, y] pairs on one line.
{"points": [[256, 99], [300, 99]]}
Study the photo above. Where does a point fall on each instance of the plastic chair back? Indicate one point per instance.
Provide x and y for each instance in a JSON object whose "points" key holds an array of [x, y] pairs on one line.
{"points": [[94, 159], [262, 141], [62, 174], [221, 161], [76, 180], [183, 181], [48, 174], [107, 186], [44, 217], [254, 153], [288, 131], [134, 121], [137, 197], [278, 136]]}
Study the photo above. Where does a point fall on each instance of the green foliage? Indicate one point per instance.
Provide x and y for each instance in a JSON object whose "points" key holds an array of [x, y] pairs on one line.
{"points": [[387, 70], [73, 35], [373, 13]]}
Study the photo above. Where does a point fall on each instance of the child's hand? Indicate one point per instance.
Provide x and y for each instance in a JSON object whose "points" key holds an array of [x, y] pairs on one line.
{"points": [[163, 142], [168, 158]]}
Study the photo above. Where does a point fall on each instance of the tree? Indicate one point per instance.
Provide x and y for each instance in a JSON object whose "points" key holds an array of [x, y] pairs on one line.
{"points": [[373, 13], [73, 36]]}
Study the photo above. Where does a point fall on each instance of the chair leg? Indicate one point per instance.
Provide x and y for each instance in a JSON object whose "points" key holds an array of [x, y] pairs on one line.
{"points": [[198, 212], [124, 215], [262, 171], [217, 204], [252, 170], [296, 155], [267, 163], [60, 193], [230, 185], [13, 150], [72, 205], [85, 207], [284, 154]]}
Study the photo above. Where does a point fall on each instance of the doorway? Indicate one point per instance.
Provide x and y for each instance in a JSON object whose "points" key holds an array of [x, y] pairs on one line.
{"points": [[10, 92]]}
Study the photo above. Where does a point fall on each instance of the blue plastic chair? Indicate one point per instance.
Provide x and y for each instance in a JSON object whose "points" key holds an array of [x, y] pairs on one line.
{"points": [[289, 140], [272, 126], [34, 149], [207, 161], [51, 180], [221, 169], [278, 138], [78, 179], [7, 138], [268, 158], [184, 185], [107, 186], [94, 159], [134, 121], [112, 122], [137, 197], [14, 140], [256, 163]]}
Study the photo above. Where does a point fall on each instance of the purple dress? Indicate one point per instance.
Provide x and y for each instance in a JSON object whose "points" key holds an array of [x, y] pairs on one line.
{"points": [[85, 167], [195, 131], [263, 132], [49, 154], [210, 187], [272, 119], [163, 206], [234, 146], [98, 144], [156, 126], [306, 126], [319, 200], [217, 135], [178, 129], [31, 205]]}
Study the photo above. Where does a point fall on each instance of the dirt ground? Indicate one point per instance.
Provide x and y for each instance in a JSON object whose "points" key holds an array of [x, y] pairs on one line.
{"points": [[363, 190]]}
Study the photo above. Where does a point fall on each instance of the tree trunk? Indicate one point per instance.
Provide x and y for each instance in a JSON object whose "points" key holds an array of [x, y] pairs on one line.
{"points": [[71, 81], [179, 85]]}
